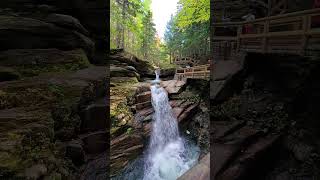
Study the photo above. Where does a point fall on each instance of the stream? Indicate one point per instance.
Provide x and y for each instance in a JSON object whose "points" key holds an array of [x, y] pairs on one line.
{"points": [[168, 154]]}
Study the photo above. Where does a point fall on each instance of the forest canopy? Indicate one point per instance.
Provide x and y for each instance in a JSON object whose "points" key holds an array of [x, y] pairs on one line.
{"points": [[186, 35]]}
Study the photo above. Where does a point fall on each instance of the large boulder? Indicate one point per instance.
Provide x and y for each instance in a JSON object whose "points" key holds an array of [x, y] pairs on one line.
{"points": [[116, 71], [66, 21], [27, 33]]}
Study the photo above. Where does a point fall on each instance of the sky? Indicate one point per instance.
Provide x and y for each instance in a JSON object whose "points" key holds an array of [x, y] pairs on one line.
{"points": [[162, 10]]}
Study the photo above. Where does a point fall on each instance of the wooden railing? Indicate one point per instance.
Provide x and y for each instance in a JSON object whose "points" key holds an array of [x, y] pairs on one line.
{"points": [[185, 61], [196, 72], [293, 33]]}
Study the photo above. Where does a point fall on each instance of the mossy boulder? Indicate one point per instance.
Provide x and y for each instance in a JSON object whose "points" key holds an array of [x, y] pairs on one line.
{"points": [[143, 67], [116, 71], [32, 62]]}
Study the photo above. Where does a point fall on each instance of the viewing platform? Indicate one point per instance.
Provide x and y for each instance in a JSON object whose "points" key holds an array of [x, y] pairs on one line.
{"points": [[295, 33]]}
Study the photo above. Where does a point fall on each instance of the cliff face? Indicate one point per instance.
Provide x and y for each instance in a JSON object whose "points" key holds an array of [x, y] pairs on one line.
{"points": [[59, 19], [52, 93], [262, 111]]}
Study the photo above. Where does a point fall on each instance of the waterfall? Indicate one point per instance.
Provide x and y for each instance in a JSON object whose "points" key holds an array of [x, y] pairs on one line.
{"points": [[157, 71], [168, 154]]}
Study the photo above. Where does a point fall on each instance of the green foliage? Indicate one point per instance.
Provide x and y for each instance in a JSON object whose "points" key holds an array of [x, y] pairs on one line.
{"points": [[187, 32], [129, 131], [193, 12], [133, 30]]}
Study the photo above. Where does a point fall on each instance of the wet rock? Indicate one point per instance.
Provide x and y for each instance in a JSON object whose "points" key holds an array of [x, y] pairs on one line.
{"points": [[147, 119], [199, 127], [144, 97], [143, 105], [177, 111], [173, 86], [200, 171], [146, 111]]}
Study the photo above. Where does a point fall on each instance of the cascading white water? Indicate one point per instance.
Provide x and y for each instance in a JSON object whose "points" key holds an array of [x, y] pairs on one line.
{"points": [[168, 155]]}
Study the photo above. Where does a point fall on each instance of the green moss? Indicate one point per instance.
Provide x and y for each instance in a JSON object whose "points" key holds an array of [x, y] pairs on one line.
{"points": [[80, 62], [29, 71], [26, 97], [122, 98], [129, 131], [9, 163]]}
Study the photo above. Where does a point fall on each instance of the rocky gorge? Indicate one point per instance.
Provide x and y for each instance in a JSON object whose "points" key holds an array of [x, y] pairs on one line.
{"points": [[263, 118], [53, 90], [131, 110]]}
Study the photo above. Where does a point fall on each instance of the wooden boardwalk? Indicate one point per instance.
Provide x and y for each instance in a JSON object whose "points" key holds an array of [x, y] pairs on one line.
{"points": [[185, 61], [293, 33], [196, 72]]}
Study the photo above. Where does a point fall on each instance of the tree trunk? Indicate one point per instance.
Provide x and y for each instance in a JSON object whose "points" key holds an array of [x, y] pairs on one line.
{"points": [[124, 5]]}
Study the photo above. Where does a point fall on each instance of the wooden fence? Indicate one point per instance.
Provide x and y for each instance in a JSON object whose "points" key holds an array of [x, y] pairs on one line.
{"points": [[196, 72], [292, 33]]}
